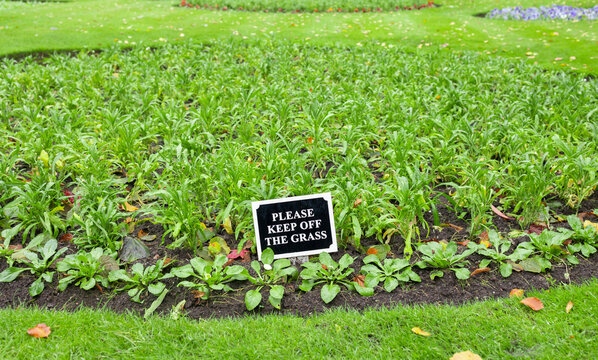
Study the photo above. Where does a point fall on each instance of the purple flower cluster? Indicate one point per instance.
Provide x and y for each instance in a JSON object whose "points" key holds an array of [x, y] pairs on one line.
{"points": [[554, 12]]}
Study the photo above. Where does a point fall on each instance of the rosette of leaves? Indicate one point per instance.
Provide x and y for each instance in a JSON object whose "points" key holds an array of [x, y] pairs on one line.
{"points": [[209, 275], [497, 253], [37, 263], [326, 271], [441, 256], [546, 247], [391, 272], [85, 269], [274, 273], [586, 237], [141, 278]]}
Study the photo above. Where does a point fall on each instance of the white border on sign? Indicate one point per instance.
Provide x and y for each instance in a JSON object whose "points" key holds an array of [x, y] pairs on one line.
{"points": [[326, 196]]}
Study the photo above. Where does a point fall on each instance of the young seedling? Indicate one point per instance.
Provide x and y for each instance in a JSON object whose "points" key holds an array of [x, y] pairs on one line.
{"points": [[391, 272], [586, 235], [442, 256], [549, 246], [37, 265], [274, 273], [209, 276], [326, 271], [141, 279], [497, 253], [85, 269]]}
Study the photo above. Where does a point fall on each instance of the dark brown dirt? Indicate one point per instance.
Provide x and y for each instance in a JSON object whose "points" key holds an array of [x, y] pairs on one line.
{"points": [[441, 290]]}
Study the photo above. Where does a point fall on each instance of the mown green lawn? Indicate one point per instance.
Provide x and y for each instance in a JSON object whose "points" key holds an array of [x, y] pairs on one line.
{"points": [[495, 329], [95, 24]]}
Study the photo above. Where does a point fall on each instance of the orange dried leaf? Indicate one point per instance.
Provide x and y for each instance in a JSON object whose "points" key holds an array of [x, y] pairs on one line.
{"points": [[167, 261], [141, 233], [533, 303], [372, 251], [39, 331], [419, 331], [484, 235], [357, 202], [464, 243], [130, 208], [569, 307], [360, 280], [479, 271], [310, 140], [516, 293], [458, 228], [324, 267], [466, 355], [66, 237]]}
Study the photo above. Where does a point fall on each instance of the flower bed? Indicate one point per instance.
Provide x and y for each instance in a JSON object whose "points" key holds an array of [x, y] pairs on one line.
{"points": [[554, 12], [309, 5]]}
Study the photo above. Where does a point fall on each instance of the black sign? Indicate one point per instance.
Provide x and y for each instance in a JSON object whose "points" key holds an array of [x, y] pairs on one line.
{"points": [[295, 226]]}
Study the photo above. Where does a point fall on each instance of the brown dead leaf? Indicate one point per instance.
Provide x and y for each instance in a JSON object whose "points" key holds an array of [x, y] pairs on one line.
{"points": [[167, 261], [484, 235], [569, 306], [360, 280], [466, 355], [66, 238], [309, 140], [516, 293], [453, 226], [419, 331], [40, 331], [500, 213], [141, 233], [479, 271], [464, 243], [130, 208], [372, 251], [533, 303], [357, 202], [324, 267], [536, 228]]}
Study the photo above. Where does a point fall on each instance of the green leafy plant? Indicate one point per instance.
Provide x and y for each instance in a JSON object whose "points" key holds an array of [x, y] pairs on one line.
{"points": [[37, 263], [84, 269], [497, 252], [586, 237], [441, 257], [391, 272], [329, 273], [100, 226], [209, 276], [274, 273], [141, 278], [549, 246]]}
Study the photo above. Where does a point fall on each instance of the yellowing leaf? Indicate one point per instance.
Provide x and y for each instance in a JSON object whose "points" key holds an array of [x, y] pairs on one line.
{"points": [[486, 243], [589, 223], [466, 355], [516, 293], [569, 307], [130, 208], [39, 331], [419, 331], [533, 303], [228, 226], [44, 157]]}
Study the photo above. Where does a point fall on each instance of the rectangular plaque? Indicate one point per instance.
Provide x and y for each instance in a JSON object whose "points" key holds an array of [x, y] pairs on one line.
{"points": [[295, 226]]}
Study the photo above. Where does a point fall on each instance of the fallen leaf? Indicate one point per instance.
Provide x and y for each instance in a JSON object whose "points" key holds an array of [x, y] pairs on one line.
{"points": [[419, 331], [536, 229], [167, 261], [130, 208], [453, 226], [464, 243], [360, 280], [479, 271], [589, 223], [516, 293], [515, 266], [357, 202], [465, 355], [66, 237], [569, 307], [372, 251], [228, 226], [39, 331], [309, 139], [198, 294], [324, 267], [533, 303], [500, 213], [142, 235], [486, 243], [484, 235]]}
